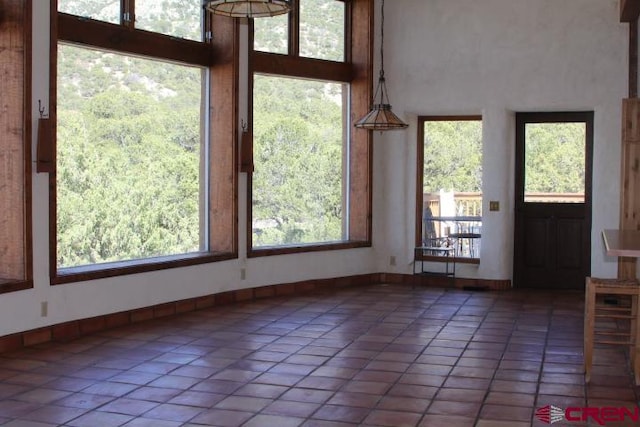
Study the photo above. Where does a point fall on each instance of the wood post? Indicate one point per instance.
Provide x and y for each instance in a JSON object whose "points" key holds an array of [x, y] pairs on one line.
{"points": [[630, 178]]}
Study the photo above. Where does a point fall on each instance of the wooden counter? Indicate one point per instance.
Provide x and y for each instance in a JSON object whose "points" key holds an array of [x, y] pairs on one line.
{"points": [[622, 243]]}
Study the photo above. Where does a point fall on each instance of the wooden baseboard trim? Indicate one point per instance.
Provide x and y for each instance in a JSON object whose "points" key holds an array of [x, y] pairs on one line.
{"points": [[68, 331], [447, 282]]}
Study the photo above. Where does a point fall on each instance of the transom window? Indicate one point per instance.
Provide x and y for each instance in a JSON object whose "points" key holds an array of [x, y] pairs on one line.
{"points": [[177, 18], [314, 29], [101, 10]]}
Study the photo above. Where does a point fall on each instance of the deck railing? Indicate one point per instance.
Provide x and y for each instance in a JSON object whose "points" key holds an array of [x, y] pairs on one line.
{"points": [[469, 204], [466, 203]]}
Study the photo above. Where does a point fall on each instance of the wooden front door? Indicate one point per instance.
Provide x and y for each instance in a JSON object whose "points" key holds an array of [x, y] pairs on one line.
{"points": [[552, 241]]}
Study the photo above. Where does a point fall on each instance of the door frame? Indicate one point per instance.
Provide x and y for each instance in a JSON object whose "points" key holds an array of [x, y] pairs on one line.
{"points": [[522, 118]]}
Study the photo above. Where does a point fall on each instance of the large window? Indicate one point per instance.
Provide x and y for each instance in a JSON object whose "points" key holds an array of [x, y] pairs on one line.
{"points": [[137, 146], [129, 158], [15, 144], [449, 196], [298, 157], [310, 181]]}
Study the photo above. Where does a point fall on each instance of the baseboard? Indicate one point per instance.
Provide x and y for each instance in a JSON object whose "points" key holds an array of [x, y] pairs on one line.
{"points": [[68, 331], [447, 282]]}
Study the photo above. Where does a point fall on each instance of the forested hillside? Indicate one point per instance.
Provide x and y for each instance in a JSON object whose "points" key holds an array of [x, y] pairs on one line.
{"points": [[128, 157], [298, 151]]}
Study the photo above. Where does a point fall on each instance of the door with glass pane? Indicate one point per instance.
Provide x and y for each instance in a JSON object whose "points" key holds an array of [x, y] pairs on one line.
{"points": [[552, 241]]}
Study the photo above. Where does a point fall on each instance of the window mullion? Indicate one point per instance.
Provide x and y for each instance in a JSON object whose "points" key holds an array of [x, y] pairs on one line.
{"points": [[207, 26], [348, 21], [294, 29], [128, 16]]}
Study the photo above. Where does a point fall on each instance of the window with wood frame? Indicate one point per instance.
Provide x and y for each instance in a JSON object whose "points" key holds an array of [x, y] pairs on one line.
{"points": [[15, 146], [449, 185], [145, 171], [310, 180]]}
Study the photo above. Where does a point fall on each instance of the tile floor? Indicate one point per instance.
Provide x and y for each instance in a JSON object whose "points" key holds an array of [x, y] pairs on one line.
{"points": [[376, 356]]}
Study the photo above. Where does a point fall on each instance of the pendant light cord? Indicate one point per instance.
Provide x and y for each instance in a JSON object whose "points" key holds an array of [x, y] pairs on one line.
{"points": [[382, 40], [380, 117]]}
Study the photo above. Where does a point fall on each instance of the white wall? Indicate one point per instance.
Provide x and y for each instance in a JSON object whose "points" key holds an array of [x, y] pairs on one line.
{"points": [[492, 57], [496, 57]]}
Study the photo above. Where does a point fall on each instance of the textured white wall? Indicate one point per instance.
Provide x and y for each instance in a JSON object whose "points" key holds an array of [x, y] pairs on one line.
{"points": [[496, 57], [491, 57]]}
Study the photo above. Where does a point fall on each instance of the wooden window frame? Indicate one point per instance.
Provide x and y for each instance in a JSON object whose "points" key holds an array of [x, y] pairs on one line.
{"points": [[220, 56], [18, 119], [357, 71], [420, 183]]}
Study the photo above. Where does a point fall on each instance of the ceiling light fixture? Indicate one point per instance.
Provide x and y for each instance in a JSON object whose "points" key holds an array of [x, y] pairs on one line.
{"points": [[380, 117], [248, 8]]}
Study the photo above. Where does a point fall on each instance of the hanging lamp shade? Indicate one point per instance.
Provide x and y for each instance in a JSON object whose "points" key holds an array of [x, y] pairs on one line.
{"points": [[380, 117], [248, 8]]}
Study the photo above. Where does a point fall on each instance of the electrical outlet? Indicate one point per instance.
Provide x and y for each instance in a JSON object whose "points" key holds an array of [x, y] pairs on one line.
{"points": [[392, 260], [44, 309], [494, 205], [243, 274]]}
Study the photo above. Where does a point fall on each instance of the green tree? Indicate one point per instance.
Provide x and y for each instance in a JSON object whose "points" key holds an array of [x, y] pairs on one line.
{"points": [[128, 160], [554, 157], [452, 156], [297, 183]]}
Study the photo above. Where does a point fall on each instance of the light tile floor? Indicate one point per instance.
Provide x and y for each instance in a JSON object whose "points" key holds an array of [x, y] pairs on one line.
{"points": [[383, 355]]}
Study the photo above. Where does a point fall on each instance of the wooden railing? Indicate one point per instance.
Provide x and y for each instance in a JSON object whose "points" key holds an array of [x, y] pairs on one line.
{"points": [[466, 204], [470, 204]]}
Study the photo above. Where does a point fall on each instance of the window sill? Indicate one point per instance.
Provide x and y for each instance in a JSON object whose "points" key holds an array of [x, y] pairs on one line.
{"points": [[458, 260], [12, 285], [302, 248], [121, 268]]}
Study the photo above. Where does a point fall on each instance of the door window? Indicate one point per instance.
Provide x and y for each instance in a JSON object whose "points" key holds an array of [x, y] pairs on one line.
{"points": [[554, 162]]}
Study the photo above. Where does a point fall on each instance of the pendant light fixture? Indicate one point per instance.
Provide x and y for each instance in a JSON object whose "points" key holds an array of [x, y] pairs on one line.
{"points": [[380, 117], [248, 8]]}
